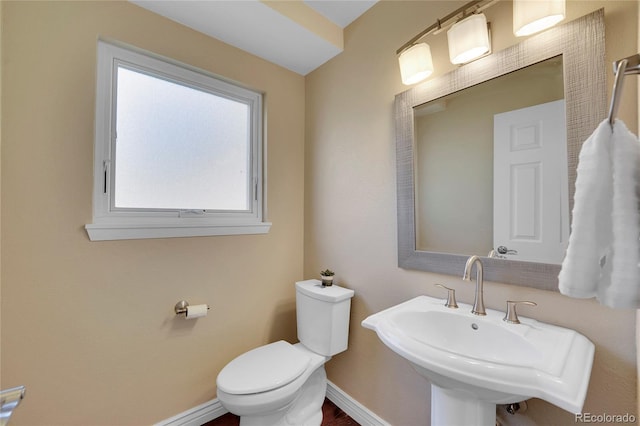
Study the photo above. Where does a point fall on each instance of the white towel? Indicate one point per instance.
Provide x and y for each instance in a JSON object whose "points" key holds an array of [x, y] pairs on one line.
{"points": [[604, 249], [624, 289]]}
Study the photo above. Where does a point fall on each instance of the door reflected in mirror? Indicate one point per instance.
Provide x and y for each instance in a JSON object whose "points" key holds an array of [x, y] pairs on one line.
{"points": [[491, 168]]}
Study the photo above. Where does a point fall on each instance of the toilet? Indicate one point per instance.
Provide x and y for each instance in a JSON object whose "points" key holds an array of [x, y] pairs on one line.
{"points": [[283, 384]]}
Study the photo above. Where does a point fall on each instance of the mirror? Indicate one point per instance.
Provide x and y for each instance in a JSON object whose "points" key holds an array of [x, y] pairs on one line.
{"points": [[470, 211], [491, 169]]}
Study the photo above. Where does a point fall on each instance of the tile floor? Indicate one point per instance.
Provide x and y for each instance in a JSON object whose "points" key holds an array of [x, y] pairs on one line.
{"points": [[331, 416]]}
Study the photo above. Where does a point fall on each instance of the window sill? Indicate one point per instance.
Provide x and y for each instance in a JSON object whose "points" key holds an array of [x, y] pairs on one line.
{"points": [[109, 232]]}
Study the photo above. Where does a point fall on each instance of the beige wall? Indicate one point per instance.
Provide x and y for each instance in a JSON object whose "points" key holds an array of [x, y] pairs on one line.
{"points": [[350, 212], [89, 327]]}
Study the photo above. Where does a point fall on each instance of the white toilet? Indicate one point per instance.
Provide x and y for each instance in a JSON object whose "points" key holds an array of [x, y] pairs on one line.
{"points": [[284, 384]]}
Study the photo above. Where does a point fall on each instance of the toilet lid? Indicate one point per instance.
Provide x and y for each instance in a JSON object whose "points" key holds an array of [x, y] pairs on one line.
{"points": [[262, 369]]}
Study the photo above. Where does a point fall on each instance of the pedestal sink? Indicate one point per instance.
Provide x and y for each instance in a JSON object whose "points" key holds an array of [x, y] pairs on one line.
{"points": [[475, 362]]}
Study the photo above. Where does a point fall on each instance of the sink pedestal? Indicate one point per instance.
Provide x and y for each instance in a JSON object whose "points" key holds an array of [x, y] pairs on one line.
{"points": [[455, 407]]}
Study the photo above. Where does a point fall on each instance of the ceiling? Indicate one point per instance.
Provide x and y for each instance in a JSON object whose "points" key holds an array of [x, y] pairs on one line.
{"points": [[297, 35], [341, 12]]}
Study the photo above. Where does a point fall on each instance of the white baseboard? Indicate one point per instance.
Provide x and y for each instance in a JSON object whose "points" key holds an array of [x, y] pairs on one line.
{"points": [[196, 416], [213, 409], [353, 408]]}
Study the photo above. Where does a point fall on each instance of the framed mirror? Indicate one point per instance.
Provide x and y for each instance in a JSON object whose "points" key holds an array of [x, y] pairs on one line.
{"points": [[450, 203]]}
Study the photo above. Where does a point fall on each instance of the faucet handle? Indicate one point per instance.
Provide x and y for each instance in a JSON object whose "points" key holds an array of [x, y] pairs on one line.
{"points": [[451, 297], [512, 316]]}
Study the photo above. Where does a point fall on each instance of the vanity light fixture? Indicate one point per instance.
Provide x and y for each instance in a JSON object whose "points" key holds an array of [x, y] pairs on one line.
{"points": [[468, 39], [532, 16], [469, 36]]}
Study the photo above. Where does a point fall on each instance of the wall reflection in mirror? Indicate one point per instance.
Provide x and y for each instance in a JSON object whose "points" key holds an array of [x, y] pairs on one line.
{"points": [[491, 168]]}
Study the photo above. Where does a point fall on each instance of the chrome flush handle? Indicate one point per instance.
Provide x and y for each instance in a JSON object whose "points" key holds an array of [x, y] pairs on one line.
{"points": [[451, 297], [512, 316]]}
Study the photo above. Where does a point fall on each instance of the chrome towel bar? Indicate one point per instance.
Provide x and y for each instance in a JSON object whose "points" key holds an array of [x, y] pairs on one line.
{"points": [[622, 67]]}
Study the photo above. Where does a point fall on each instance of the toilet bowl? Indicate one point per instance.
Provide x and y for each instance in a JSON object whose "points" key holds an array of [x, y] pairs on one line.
{"points": [[283, 384], [288, 398]]}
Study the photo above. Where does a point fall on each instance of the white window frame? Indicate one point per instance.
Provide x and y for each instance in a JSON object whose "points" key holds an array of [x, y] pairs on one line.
{"points": [[110, 223]]}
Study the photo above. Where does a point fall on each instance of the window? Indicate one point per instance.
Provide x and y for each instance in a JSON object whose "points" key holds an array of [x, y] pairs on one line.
{"points": [[178, 152]]}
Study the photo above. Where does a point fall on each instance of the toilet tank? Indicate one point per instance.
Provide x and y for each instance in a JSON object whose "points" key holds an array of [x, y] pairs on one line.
{"points": [[323, 316]]}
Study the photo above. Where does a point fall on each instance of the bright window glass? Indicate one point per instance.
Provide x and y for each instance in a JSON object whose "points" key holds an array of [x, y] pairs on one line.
{"points": [[178, 147]]}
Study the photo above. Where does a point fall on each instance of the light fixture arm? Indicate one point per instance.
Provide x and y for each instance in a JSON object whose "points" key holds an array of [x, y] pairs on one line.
{"points": [[439, 22]]}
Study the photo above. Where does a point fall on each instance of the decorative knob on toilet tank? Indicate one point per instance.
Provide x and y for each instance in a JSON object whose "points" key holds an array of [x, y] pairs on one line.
{"points": [[191, 311]]}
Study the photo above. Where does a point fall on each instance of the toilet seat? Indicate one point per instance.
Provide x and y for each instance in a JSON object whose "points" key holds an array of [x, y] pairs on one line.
{"points": [[262, 369]]}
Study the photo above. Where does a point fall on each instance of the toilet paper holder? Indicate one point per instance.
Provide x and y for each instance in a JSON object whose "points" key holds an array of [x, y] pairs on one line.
{"points": [[181, 307]]}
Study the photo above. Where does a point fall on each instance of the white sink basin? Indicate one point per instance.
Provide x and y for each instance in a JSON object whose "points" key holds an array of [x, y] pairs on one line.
{"points": [[484, 358]]}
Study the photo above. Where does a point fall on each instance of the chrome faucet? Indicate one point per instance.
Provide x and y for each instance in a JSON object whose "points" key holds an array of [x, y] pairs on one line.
{"points": [[478, 303]]}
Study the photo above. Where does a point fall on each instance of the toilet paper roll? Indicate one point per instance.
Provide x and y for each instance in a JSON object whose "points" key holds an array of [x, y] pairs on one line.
{"points": [[197, 311]]}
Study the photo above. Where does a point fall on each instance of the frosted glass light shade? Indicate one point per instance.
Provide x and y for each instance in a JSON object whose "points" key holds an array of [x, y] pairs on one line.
{"points": [[532, 16], [468, 39], [415, 63]]}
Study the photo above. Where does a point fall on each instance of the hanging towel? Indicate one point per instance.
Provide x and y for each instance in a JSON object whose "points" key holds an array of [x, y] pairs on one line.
{"points": [[624, 289], [591, 225], [604, 248]]}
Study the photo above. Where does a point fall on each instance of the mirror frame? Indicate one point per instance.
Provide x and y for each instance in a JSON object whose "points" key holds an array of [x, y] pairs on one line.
{"points": [[581, 44]]}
